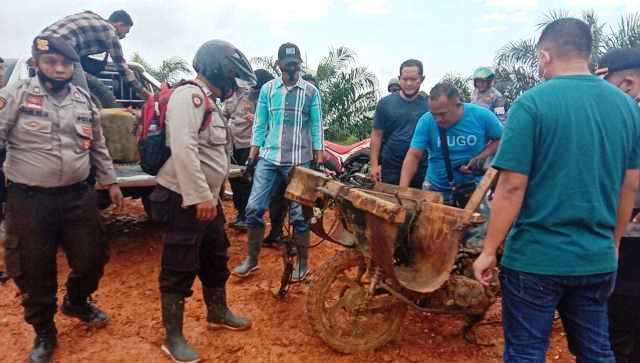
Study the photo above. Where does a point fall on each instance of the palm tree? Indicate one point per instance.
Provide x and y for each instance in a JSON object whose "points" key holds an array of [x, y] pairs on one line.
{"points": [[349, 95], [268, 63], [517, 63], [171, 70], [463, 84]]}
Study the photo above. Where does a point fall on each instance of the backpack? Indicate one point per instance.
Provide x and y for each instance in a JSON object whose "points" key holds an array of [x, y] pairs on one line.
{"points": [[152, 134]]}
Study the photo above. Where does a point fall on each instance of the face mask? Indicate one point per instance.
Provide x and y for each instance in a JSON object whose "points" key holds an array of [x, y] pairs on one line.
{"points": [[55, 85], [292, 70]]}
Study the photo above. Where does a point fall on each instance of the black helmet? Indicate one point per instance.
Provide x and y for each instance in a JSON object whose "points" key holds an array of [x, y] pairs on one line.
{"points": [[224, 66], [262, 76]]}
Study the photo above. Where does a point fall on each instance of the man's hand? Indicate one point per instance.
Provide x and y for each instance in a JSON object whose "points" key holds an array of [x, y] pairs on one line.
{"points": [[471, 166], [484, 267], [116, 197], [206, 211], [376, 172], [318, 157], [250, 168]]}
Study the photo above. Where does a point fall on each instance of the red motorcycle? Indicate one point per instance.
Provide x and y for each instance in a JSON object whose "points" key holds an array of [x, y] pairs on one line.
{"points": [[348, 163]]}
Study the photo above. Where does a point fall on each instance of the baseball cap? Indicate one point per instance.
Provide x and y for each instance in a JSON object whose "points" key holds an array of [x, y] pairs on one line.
{"points": [[289, 52], [619, 59], [54, 45]]}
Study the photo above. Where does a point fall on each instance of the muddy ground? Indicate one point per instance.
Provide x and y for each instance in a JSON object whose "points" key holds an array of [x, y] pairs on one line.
{"points": [[129, 293]]}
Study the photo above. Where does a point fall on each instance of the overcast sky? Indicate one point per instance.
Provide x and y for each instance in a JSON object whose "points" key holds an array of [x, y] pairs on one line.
{"points": [[448, 36]]}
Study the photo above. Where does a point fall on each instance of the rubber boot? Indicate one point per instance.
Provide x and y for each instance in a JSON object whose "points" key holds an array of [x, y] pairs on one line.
{"points": [[301, 269], [218, 314], [43, 345], [250, 263], [175, 345]]}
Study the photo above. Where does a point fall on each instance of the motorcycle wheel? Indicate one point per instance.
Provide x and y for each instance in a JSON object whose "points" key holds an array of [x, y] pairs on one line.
{"points": [[340, 312]]}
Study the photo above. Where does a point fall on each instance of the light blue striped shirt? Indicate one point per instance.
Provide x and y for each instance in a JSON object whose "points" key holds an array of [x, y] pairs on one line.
{"points": [[288, 124]]}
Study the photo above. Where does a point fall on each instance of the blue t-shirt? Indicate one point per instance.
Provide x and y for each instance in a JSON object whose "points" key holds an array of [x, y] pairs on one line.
{"points": [[466, 139]]}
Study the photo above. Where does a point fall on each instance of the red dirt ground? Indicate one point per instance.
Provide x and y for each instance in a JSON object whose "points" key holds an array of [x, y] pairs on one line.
{"points": [[129, 293]]}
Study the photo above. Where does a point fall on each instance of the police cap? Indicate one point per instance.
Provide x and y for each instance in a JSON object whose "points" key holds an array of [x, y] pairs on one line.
{"points": [[53, 45]]}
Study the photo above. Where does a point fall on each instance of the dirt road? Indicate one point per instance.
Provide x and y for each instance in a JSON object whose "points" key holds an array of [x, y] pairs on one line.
{"points": [[129, 293]]}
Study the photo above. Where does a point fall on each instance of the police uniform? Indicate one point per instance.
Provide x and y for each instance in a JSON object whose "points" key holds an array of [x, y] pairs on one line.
{"points": [[51, 143], [491, 99], [239, 111], [624, 316], [195, 173]]}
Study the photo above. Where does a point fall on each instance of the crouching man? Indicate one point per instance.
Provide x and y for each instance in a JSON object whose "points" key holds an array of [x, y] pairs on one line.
{"points": [[189, 185]]}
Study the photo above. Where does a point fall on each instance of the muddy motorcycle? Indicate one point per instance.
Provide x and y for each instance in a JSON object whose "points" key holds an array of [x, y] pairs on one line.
{"points": [[403, 248]]}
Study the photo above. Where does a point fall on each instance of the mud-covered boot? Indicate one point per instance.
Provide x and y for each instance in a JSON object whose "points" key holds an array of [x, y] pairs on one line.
{"points": [[174, 344], [250, 263], [301, 269], [43, 345], [218, 313]]}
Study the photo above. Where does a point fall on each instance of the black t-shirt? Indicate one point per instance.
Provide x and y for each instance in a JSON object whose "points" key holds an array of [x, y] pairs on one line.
{"points": [[397, 118]]}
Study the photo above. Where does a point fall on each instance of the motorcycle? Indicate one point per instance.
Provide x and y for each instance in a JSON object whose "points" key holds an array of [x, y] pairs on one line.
{"points": [[348, 163]]}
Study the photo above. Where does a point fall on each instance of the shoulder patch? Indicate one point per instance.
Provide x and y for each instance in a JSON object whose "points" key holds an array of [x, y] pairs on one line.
{"points": [[3, 103], [197, 100]]}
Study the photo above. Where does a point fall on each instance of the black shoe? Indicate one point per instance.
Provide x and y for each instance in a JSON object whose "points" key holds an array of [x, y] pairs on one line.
{"points": [[43, 346], [86, 312]]}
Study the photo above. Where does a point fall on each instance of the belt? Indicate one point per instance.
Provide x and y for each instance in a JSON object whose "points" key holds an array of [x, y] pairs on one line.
{"points": [[83, 185]]}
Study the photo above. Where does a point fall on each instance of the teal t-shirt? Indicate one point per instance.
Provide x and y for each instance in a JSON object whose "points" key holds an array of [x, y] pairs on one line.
{"points": [[574, 137], [465, 139]]}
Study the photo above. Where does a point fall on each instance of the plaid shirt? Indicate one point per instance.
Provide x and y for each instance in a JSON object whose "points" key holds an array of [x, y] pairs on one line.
{"points": [[88, 33], [288, 124]]}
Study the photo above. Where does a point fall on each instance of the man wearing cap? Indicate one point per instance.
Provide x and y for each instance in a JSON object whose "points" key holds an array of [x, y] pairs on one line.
{"points": [[621, 67], [88, 33], [51, 134], [287, 132]]}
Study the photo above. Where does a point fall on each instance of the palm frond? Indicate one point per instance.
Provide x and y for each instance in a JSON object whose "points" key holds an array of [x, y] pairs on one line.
{"points": [[551, 16]]}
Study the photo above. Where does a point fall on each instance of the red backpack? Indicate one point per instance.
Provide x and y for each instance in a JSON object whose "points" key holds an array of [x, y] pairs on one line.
{"points": [[152, 134]]}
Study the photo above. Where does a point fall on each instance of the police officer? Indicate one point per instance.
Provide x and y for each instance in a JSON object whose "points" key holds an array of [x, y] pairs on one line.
{"points": [[486, 95], [621, 67], [51, 133], [189, 185]]}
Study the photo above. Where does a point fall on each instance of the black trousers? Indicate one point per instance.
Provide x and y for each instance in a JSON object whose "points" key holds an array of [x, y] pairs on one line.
{"points": [[192, 248], [624, 328], [240, 187], [38, 221]]}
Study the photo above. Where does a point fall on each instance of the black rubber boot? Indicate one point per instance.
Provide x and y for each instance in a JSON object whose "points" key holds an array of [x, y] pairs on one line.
{"points": [[43, 345], [174, 344], [301, 269], [250, 263], [85, 311], [218, 313]]}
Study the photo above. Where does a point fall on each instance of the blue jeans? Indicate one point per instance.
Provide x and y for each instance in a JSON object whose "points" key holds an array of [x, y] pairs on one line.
{"points": [[269, 179], [529, 302]]}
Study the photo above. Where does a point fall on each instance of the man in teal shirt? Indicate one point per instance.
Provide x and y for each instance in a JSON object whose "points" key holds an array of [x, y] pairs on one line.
{"points": [[287, 132], [569, 161]]}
